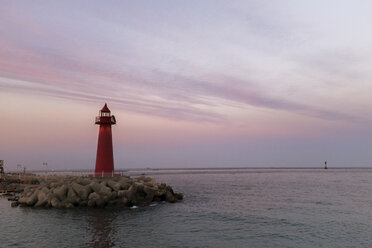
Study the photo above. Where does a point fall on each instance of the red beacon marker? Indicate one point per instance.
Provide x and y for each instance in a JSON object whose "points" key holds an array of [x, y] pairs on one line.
{"points": [[105, 154]]}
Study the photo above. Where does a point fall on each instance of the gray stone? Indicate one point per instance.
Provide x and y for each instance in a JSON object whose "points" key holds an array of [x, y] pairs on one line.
{"points": [[100, 188], [22, 200], [136, 194], [55, 203], [122, 193], [179, 196], [114, 185], [68, 205], [95, 200], [31, 200], [81, 191], [72, 197], [150, 193], [125, 183], [169, 197], [45, 190], [122, 202], [42, 199], [146, 180], [83, 181], [54, 185], [110, 196], [61, 192]]}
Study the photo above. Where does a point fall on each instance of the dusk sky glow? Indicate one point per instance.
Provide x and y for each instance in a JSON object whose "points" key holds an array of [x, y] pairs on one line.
{"points": [[191, 83]]}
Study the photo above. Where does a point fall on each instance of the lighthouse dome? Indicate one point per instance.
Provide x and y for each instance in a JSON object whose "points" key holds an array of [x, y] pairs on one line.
{"points": [[105, 108]]}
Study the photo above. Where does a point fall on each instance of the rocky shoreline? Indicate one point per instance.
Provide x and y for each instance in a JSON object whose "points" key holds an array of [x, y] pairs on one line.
{"points": [[70, 192]]}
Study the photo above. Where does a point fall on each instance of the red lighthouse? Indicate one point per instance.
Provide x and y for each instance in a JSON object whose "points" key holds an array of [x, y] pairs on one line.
{"points": [[105, 155]]}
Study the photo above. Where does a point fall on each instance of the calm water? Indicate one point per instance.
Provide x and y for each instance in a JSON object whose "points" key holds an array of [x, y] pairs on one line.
{"points": [[222, 208]]}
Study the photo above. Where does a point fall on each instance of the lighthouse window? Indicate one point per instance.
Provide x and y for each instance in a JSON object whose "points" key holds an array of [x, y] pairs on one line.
{"points": [[105, 114]]}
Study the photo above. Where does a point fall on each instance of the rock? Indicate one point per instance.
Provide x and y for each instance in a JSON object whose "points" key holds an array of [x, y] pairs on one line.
{"points": [[100, 188], [122, 193], [160, 193], [125, 183], [169, 197], [112, 203], [83, 181], [69, 205], [41, 199], [55, 203], [95, 186], [114, 185], [55, 184], [72, 197], [104, 189], [61, 192], [124, 202], [179, 196], [22, 200], [136, 194], [110, 196], [120, 202], [169, 188], [50, 196], [146, 179], [150, 193], [31, 200], [45, 190], [95, 200], [14, 204], [28, 194], [28, 191], [81, 191]]}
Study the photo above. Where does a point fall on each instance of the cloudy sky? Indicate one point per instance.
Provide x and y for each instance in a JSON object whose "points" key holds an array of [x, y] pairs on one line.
{"points": [[191, 83]]}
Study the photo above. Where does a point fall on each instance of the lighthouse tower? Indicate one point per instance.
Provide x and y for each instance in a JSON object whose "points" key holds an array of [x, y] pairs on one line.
{"points": [[105, 155]]}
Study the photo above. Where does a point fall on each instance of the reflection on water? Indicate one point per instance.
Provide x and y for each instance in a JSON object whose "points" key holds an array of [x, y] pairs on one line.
{"points": [[101, 225]]}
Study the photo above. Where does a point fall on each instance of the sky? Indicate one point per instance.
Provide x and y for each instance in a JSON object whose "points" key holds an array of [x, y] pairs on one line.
{"points": [[191, 83]]}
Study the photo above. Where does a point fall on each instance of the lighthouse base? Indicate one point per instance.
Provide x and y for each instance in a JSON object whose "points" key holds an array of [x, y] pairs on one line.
{"points": [[106, 174]]}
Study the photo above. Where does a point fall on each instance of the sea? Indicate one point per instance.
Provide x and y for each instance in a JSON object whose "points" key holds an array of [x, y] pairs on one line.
{"points": [[241, 207]]}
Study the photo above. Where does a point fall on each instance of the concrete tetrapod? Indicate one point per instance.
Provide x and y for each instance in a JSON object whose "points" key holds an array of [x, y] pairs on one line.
{"points": [[69, 192]]}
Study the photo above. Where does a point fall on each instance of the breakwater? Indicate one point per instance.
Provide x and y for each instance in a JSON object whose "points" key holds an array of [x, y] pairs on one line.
{"points": [[70, 192]]}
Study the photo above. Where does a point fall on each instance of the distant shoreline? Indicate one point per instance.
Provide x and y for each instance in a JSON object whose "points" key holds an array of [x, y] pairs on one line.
{"points": [[167, 171], [206, 168]]}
